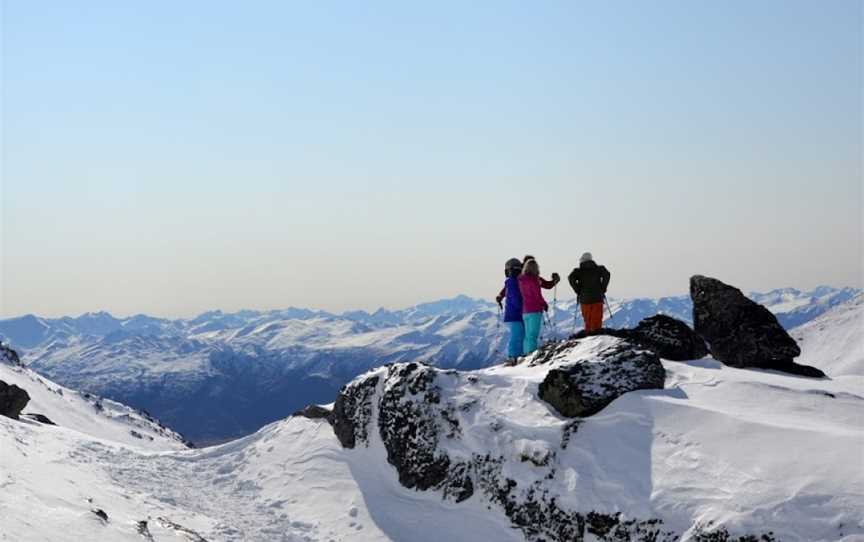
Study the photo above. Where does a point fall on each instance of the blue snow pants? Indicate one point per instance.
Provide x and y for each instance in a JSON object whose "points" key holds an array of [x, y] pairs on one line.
{"points": [[533, 321], [517, 336]]}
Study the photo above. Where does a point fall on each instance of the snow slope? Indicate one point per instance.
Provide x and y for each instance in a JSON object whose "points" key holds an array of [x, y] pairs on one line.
{"points": [[835, 340], [742, 450], [88, 414]]}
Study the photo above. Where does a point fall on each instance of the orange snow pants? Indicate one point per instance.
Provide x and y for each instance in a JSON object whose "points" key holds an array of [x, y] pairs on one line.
{"points": [[592, 313]]}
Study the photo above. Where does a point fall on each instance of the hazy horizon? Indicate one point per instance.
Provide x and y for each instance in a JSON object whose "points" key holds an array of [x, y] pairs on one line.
{"points": [[170, 159]]}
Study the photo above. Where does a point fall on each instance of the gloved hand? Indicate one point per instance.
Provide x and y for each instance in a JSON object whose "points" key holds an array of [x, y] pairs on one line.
{"points": [[556, 278]]}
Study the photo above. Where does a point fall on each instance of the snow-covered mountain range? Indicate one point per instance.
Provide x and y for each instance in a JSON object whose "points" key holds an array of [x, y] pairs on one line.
{"points": [[222, 375], [713, 454]]}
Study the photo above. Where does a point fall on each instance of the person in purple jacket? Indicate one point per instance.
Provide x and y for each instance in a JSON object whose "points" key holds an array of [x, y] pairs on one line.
{"points": [[512, 305]]}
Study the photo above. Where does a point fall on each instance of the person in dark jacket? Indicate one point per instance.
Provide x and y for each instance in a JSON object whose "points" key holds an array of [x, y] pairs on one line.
{"points": [[590, 282], [512, 305]]}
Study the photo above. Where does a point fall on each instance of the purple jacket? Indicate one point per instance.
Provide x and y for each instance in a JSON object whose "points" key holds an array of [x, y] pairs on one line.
{"points": [[512, 300]]}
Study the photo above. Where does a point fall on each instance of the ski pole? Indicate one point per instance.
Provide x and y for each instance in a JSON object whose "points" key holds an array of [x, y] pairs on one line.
{"points": [[609, 308], [555, 310], [499, 340]]}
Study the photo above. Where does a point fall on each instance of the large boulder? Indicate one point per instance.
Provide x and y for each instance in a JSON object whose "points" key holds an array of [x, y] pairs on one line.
{"points": [[12, 400], [667, 337], [740, 332], [586, 386]]}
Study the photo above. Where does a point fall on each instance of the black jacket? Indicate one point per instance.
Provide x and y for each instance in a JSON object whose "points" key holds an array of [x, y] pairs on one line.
{"points": [[590, 282]]}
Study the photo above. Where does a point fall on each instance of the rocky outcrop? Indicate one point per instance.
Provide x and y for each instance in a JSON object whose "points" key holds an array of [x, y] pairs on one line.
{"points": [[586, 386], [441, 432], [12, 400], [667, 337], [314, 412], [9, 356], [740, 332], [412, 420], [353, 410], [41, 418]]}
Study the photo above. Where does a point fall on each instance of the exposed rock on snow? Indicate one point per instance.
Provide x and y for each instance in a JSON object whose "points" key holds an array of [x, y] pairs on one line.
{"points": [[740, 332], [430, 423], [41, 418], [352, 411], [101, 514], [412, 421], [8, 356], [667, 337], [314, 412], [12, 400], [586, 386]]}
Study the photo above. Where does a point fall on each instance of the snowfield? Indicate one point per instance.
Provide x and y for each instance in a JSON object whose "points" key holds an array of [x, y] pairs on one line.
{"points": [[740, 451], [835, 340]]}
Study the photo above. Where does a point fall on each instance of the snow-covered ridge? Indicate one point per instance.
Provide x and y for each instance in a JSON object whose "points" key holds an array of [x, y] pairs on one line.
{"points": [[719, 454]]}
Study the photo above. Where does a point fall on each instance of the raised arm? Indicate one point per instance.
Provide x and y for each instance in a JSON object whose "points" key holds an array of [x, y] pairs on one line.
{"points": [[573, 278], [549, 284]]}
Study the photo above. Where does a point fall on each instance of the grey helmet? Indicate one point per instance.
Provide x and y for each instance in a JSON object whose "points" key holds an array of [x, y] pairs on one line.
{"points": [[513, 264]]}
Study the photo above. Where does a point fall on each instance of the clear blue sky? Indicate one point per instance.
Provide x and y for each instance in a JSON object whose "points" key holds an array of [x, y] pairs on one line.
{"points": [[173, 157]]}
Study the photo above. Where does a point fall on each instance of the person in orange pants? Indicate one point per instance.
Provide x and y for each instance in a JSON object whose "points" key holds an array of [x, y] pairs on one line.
{"points": [[592, 313], [590, 282]]}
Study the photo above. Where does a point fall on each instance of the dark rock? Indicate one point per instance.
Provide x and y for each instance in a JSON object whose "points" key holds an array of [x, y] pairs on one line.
{"points": [[706, 532], [352, 411], [188, 534], [667, 337], [586, 387], [143, 528], [41, 418], [314, 412], [740, 332], [411, 431], [800, 370], [9, 356], [12, 400], [101, 514]]}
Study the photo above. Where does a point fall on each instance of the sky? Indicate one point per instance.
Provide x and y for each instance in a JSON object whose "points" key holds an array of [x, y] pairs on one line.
{"points": [[174, 157]]}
